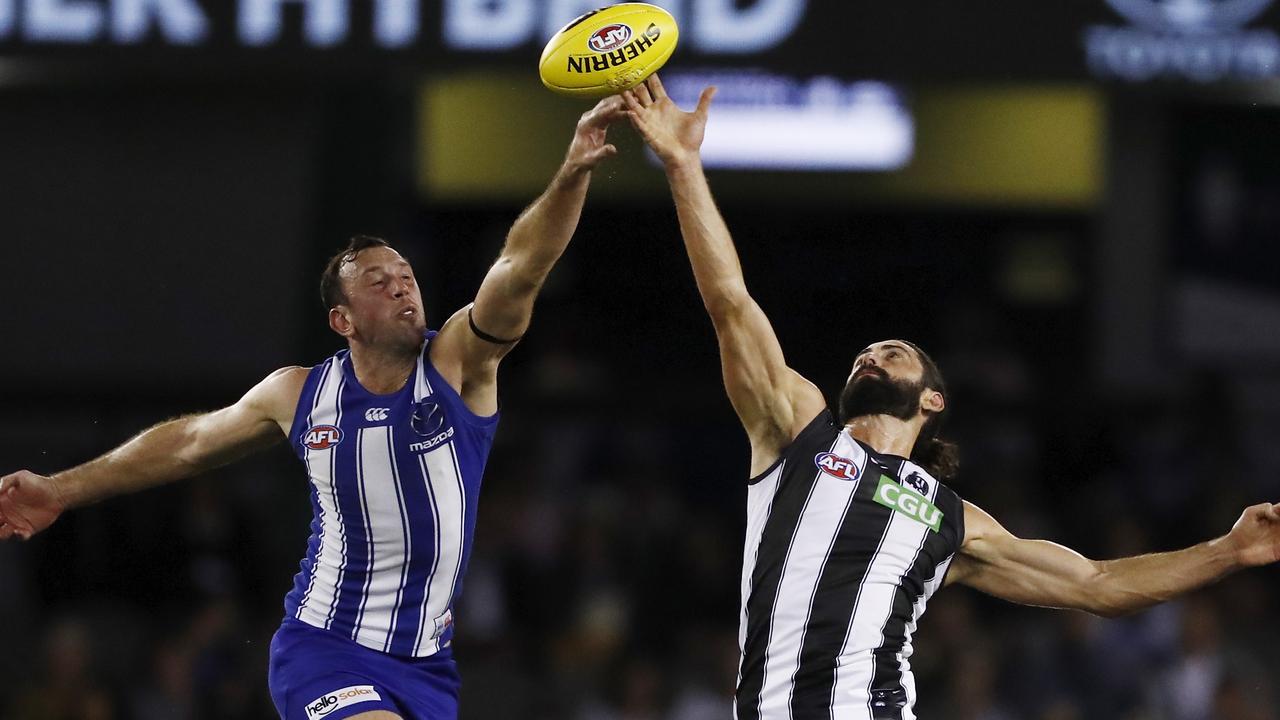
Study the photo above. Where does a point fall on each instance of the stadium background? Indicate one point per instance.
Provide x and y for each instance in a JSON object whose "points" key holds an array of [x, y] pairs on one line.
{"points": [[1090, 258]]}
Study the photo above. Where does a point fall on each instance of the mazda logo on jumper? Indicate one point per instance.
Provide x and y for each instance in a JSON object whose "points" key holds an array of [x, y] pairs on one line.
{"points": [[427, 418], [1198, 40]]}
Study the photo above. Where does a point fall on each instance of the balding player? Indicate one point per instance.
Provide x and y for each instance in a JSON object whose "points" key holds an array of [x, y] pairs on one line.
{"points": [[394, 432], [849, 529]]}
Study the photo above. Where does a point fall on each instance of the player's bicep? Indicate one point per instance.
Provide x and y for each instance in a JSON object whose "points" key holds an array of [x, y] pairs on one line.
{"points": [[256, 421], [773, 401], [1028, 572], [504, 303]]}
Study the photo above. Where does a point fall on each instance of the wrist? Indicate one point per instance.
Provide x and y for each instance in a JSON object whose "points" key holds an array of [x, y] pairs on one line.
{"points": [[1228, 551], [62, 487], [574, 170], [683, 163]]}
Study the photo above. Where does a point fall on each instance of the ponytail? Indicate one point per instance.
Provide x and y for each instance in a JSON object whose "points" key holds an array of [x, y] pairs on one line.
{"points": [[939, 458]]}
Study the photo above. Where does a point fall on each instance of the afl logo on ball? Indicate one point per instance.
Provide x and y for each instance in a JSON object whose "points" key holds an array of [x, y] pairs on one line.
{"points": [[836, 466], [322, 437], [609, 37]]}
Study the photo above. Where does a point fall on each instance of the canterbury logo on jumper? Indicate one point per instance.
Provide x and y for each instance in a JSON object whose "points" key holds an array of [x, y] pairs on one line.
{"points": [[376, 414], [908, 502], [338, 699]]}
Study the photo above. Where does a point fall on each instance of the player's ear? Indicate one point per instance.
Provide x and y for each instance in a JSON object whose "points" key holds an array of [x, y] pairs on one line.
{"points": [[340, 321], [932, 401]]}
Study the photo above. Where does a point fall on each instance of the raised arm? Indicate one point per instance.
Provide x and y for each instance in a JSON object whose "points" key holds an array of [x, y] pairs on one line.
{"points": [[167, 452], [773, 401], [1038, 572], [473, 341]]}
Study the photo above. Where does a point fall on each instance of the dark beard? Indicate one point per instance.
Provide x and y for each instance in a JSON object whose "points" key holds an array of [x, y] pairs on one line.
{"points": [[873, 392]]}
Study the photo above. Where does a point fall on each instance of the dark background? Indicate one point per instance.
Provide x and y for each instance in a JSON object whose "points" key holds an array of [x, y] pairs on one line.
{"points": [[1114, 363]]}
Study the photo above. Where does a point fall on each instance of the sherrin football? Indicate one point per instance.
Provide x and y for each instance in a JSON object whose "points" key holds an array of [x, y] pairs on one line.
{"points": [[608, 50]]}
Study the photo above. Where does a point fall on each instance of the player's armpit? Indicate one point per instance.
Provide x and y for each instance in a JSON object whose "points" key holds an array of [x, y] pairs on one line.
{"points": [[773, 401], [1028, 572]]}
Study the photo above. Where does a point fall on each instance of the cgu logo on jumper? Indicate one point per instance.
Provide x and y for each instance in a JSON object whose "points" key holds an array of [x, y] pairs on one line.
{"points": [[908, 502], [322, 437], [609, 37], [1198, 40], [836, 466]]}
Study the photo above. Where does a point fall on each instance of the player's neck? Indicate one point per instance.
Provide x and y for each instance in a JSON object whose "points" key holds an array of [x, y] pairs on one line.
{"points": [[885, 434], [379, 371]]}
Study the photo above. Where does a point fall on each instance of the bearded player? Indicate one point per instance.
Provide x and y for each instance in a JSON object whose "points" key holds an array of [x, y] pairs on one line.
{"points": [[849, 529], [394, 433]]}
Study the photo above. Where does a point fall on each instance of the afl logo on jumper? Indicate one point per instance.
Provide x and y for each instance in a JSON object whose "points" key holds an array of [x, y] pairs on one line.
{"points": [[836, 466], [322, 437], [609, 37]]}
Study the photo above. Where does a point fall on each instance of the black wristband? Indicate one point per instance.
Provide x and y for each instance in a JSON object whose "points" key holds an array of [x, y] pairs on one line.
{"points": [[486, 336]]}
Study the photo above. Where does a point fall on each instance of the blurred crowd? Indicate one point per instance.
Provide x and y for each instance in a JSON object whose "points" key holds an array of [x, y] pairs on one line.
{"points": [[604, 579], [603, 584]]}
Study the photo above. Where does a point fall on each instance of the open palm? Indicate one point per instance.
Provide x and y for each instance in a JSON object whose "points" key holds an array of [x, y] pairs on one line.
{"points": [[674, 135]]}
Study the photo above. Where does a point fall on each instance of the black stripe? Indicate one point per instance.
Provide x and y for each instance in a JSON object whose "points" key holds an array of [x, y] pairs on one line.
{"points": [[794, 488], [887, 690], [839, 588], [887, 694]]}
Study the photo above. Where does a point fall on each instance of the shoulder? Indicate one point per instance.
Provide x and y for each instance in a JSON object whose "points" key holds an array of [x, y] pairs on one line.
{"points": [[979, 528], [279, 391]]}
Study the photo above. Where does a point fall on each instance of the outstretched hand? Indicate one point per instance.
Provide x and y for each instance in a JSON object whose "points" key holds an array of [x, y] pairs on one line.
{"points": [[589, 145], [29, 503], [1256, 535], [674, 135]]}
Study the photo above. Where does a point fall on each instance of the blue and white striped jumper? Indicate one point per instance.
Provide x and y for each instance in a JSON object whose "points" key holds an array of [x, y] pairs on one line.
{"points": [[395, 481]]}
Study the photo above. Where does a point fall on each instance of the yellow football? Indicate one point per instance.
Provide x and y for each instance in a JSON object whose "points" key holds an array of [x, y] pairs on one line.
{"points": [[608, 50]]}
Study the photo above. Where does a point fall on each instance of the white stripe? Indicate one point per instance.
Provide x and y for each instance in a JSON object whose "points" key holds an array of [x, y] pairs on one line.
{"points": [[408, 534], [435, 560], [760, 498], [306, 459], [341, 521], [446, 485], [421, 385], [316, 609], [385, 525], [368, 535], [855, 666], [819, 522]]}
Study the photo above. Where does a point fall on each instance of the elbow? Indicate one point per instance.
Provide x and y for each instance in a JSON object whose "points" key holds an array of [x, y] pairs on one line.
{"points": [[1106, 598], [725, 303]]}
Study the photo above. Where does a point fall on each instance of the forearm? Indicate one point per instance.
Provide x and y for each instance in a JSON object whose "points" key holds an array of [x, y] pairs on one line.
{"points": [[154, 457], [542, 232], [710, 246], [1131, 584]]}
